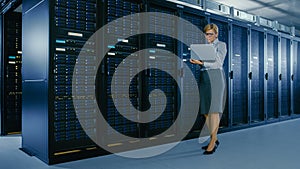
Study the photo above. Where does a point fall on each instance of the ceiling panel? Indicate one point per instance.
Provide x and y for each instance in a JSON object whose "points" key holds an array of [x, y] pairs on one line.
{"points": [[286, 12]]}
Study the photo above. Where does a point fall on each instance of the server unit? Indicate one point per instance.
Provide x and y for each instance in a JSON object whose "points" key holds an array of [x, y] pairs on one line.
{"points": [[11, 97]]}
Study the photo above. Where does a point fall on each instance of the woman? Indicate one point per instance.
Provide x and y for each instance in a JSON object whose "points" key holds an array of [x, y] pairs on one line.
{"points": [[212, 87]]}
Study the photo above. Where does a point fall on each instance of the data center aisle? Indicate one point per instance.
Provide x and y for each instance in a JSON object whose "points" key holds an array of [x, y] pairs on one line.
{"points": [[273, 146]]}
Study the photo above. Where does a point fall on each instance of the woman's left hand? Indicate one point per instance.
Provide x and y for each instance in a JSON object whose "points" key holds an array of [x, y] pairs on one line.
{"points": [[198, 62]]}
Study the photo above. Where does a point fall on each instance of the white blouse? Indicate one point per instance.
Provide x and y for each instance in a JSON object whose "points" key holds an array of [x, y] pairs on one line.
{"points": [[221, 54]]}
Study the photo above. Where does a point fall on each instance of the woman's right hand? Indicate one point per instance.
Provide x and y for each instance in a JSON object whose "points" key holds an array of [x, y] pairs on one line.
{"points": [[198, 62]]}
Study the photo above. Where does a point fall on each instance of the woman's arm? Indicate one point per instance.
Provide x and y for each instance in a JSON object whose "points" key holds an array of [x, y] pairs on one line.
{"points": [[221, 54]]}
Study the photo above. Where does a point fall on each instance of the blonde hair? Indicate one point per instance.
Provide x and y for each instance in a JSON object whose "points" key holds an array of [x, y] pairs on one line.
{"points": [[211, 26]]}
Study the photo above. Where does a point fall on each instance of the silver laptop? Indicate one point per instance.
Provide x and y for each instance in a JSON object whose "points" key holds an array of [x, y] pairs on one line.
{"points": [[204, 52]]}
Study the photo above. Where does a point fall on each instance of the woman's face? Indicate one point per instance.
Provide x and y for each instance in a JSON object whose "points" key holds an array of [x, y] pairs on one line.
{"points": [[210, 36]]}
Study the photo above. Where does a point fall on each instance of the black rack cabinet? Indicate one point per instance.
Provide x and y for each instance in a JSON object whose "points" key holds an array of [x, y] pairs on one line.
{"points": [[199, 20], [296, 78], [158, 79], [12, 79], [116, 55], [1, 74], [256, 76], [271, 76], [54, 33], [284, 78], [75, 22], [239, 72]]}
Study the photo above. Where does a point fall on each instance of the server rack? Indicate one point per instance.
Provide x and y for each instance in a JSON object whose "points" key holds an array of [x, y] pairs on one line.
{"points": [[199, 20], [75, 22], [271, 75], [11, 100], [54, 33], [224, 32], [296, 77], [1, 70], [239, 74], [284, 76], [292, 66], [256, 76], [118, 52], [158, 79]]}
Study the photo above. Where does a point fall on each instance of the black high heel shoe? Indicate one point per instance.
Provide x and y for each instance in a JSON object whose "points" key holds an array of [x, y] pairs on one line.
{"points": [[217, 144], [210, 152]]}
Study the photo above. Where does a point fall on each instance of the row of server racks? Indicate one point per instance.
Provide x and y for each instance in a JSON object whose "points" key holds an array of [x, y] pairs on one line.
{"points": [[261, 69]]}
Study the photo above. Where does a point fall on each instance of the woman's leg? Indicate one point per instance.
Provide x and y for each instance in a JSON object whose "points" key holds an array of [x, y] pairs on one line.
{"points": [[206, 127], [213, 127]]}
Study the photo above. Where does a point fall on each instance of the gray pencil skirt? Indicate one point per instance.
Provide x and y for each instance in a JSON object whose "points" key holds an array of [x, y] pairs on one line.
{"points": [[212, 86]]}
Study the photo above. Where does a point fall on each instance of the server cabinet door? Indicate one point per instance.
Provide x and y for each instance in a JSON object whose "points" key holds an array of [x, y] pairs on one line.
{"points": [[163, 45], [1, 75], [271, 77], [257, 76], [224, 37], [284, 78], [239, 66], [73, 24], [12, 79], [118, 53], [296, 79], [158, 79], [189, 36]]}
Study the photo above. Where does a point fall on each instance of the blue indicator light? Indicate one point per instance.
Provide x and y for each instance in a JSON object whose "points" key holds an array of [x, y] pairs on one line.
{"points": [[60, 41], [111, 46], [152, 51]]}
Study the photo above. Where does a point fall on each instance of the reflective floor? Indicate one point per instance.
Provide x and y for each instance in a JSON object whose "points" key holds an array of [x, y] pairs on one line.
{"points": [[274, 146]]}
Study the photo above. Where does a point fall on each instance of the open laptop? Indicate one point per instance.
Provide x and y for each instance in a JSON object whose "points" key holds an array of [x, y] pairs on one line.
{"points": [[204, 52]]}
